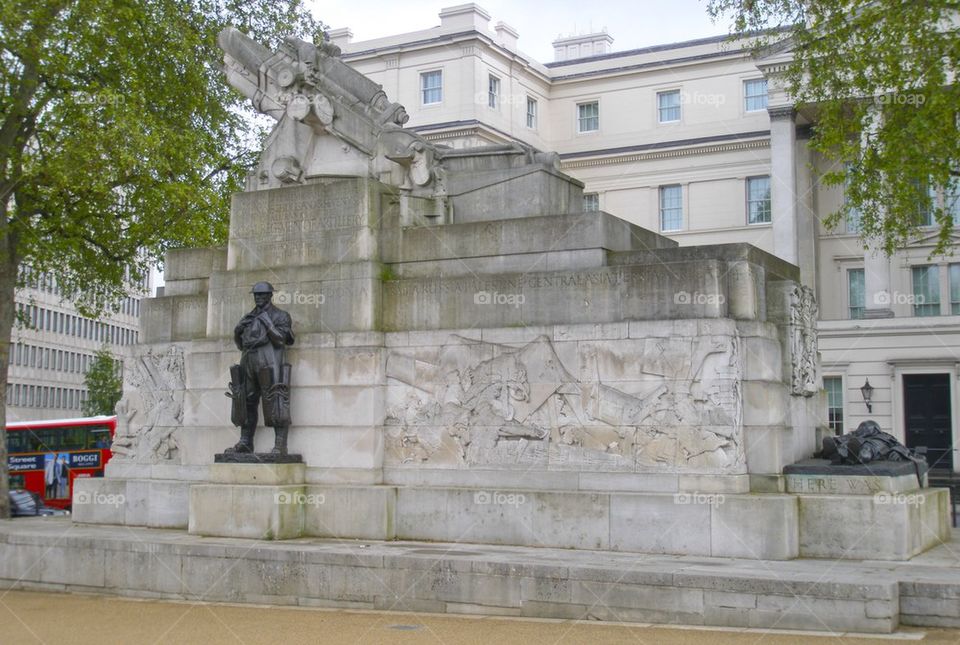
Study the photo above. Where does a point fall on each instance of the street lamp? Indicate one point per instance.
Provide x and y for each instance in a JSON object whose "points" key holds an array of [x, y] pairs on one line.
{"points": [[867, 392]]}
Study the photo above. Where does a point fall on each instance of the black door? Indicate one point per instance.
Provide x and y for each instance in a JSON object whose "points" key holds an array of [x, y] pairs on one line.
{"points": [[927, 417]]}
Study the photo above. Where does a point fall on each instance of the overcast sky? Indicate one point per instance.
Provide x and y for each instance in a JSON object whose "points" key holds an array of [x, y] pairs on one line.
{"points": [[632, 24]]}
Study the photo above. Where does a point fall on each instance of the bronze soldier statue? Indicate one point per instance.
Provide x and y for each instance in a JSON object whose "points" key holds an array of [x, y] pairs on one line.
{"points": [[261, 336]]}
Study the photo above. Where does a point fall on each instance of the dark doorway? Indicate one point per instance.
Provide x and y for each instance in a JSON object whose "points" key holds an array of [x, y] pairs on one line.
{"points": [[927, 417]]}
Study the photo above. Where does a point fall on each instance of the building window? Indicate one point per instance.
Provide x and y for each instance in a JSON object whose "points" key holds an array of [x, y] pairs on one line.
{"points": [[755, 95], [531, 113], [952, 200], [431, 87], [493, 91], [924, 215], [854, 218], [588, 117], [834, 388], [668, 106], [856, 294], [671, 208], [591, 202], [758, 200], [955, 289], [926, 290]]}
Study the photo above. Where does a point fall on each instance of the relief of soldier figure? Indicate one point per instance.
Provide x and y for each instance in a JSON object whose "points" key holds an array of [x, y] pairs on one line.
{"points": [[263, 374]]}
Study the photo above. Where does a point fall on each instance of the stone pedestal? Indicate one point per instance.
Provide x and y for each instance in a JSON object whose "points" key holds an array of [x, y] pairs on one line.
{"points": [[880, 511], [257, 501]]}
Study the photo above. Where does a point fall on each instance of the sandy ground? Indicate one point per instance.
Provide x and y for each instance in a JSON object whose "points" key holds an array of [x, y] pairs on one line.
{"points": [[66, 619]]}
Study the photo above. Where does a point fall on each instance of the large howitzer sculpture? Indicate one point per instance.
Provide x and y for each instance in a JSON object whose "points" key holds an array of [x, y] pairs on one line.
{"points": [[332, 120]]}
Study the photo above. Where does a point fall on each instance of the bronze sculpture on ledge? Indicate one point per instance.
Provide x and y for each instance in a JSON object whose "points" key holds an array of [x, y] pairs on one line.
{"points": [[263, 374], [867, 444]]}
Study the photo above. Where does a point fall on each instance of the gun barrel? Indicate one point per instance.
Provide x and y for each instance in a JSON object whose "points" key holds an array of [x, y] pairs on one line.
{"points": [[242, 48]]}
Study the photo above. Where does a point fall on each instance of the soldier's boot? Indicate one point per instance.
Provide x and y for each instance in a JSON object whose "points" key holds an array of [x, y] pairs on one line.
{"points": [[246, 441], [280, 444]]}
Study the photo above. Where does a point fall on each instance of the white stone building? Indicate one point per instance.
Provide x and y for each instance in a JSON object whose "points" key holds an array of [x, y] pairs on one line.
{"points": [[697, 140], [53, 344]]}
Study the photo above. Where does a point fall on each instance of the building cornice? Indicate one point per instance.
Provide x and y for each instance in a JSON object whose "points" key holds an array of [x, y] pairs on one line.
{"points": [[908, 326], [709, 40], [454, 37], [667, 149], [667, 62]]}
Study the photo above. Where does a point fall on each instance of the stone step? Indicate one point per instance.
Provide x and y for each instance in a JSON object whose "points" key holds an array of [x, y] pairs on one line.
{"points": [[876, 597]]}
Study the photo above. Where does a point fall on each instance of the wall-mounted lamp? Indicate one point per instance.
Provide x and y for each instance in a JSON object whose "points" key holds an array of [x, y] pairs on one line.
{"points": [[867, 392]]}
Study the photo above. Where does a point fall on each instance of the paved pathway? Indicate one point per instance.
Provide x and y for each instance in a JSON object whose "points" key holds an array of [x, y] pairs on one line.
{"points": [[66, 619]]}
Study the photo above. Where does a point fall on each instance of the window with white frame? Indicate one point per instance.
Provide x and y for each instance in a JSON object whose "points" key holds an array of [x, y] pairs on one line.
{"points": [[588, 117], [924, 214], [854, 219], [758, 200], [591, 202], [856, 294], [493, 91], [926, 290], [833, 385], [671, 208], [431, 87], [955, 289], [531, 113], [952, 200], [755, 95], [668, 106]]}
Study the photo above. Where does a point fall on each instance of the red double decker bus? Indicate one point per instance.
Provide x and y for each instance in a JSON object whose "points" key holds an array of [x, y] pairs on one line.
{"points": [[45, 457]]}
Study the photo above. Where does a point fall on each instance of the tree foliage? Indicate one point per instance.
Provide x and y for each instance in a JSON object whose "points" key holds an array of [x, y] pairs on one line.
{"points": [[118, 137], [879, 78], [104, 384]]}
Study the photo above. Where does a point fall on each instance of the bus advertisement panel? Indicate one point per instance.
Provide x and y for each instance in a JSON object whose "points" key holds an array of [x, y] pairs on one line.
{"points": [[45, 457]]}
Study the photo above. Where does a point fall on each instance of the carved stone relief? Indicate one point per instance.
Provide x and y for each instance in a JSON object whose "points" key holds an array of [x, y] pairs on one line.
{"points": [[659, 404], [151, 408], [803, 341]]}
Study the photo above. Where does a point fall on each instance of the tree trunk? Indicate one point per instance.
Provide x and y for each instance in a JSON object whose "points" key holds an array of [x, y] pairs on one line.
{"points": [[8, 307]]}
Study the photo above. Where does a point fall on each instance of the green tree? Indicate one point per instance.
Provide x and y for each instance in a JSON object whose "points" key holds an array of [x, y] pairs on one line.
{"points": [[879, 77], [104, 383], [118, 139]]}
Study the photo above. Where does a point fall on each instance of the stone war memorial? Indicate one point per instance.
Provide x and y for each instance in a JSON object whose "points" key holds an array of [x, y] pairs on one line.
{"points": [[477, 361]]}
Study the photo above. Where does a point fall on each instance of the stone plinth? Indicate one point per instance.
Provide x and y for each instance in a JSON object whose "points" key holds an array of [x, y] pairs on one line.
{"points": [[820, 477], [257, 501], [882, 526], [879, 511], [592, 368]]}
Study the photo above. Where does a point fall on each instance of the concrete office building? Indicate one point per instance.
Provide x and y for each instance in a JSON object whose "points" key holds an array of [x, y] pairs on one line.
{"points": [[698, 140], [52, 345]]}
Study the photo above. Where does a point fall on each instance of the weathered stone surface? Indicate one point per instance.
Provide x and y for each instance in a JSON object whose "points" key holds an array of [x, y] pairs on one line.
{"points": [[469, 404], [883, 526], [818, 595], [258, 512]]}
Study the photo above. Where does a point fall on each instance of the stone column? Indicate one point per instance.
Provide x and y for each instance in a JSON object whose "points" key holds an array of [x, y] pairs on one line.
{"points": [[876, 284], [876, 264], [783, 182], [807, 226]]}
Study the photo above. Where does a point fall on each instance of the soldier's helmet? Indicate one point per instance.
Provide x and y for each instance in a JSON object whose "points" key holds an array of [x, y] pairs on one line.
{"points": [[262, 287]]}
